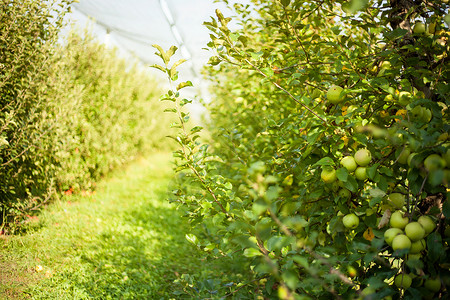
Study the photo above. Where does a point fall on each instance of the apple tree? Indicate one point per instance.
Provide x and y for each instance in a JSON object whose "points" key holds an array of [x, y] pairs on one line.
{"points": [[327, 166]]}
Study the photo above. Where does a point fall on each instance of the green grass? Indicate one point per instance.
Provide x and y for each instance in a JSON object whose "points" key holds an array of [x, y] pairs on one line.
{"points": [[126, 241]]}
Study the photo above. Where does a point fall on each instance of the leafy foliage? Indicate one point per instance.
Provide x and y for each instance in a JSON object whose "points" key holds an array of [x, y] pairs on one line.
{"points": [[270, 185], [69, 112], [27, 120], [117, 112]]}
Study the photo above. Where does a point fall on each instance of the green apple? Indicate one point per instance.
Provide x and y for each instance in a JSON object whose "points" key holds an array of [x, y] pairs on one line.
{"points": [[431, 28], [397, 220], [421, 114], [344, 193], [417, 112], [349, 163], [389, 98], [414, 231], [447, 231], [434, 162], [419, 28], [335, 94], [401, 242], [414, 256], [328, 175], [352, 272], [363, 157], [404, 98], [390, 234], [446, 157], [367, 292], [335, 186], [443, 137], [427, 115], [352, 108], [411, 163], [403, 281], [350, 221], [397, 200], [447, 177], [427, 223], [403, 156], [417, 246], [386, 64], [370, 211], [433, 284], [361, 173]]}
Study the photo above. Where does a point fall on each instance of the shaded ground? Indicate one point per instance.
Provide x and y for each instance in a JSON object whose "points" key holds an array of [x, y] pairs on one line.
{"points": [[123, 242]]}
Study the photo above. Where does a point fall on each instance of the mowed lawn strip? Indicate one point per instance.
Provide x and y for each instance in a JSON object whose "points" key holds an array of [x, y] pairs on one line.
{"points": [[126, 241]]}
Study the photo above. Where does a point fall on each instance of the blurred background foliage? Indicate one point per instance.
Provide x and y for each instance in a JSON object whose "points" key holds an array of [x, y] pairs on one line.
{"points": [[70, 110]]}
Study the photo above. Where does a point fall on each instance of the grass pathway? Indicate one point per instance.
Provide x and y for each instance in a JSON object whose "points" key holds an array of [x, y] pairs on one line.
{"points": [[124, 242]]}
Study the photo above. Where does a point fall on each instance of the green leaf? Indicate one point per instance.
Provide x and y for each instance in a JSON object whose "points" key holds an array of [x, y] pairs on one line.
{"points": [[446, 208], [183, 85], [256, 55], [272, 193], [274, 243], [224, 21], [285, 3], [252, 252], [175, 65], [414, 264], [395, 34], [377, 193], [173, 74], [326, 161], [383, 184], [447, 19], [196, 129], [192, 238], [435, 248], [214, 60], [351, 184], [355, 5], [159, 68], [165, 57], [342, 174], [436, 177], [171, 51], [259, 208]]}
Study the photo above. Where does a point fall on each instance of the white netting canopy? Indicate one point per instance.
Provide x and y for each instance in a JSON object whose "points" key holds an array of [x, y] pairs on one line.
{"points": [[134, 25]]}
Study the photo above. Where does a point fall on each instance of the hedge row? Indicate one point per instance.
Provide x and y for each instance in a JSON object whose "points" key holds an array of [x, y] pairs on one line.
{"points": [[69, 113]]}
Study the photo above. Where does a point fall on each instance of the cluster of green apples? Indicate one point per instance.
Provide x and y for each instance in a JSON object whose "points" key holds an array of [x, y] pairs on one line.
{"points": [[406, 235], [432, 30], [434, 163], [357, 165], [420, 28], [404, 281], [409, 236]]}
